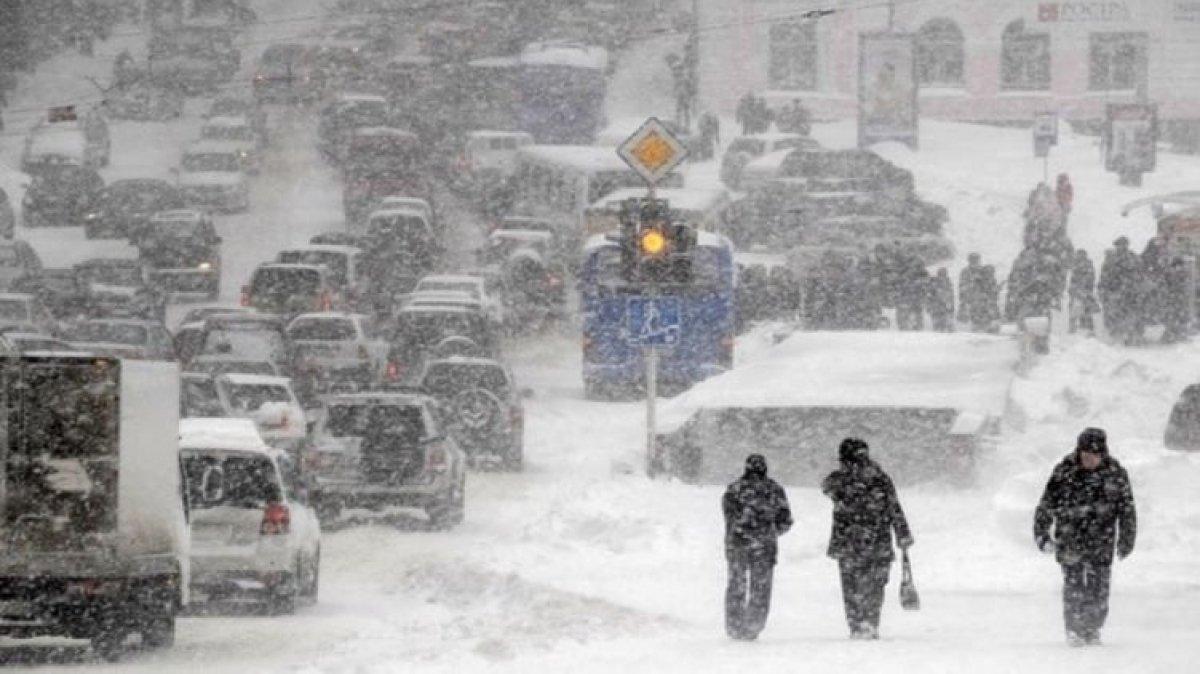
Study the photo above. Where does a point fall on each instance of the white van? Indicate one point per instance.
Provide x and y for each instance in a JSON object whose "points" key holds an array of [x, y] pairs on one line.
{"points": [[490, 155]]}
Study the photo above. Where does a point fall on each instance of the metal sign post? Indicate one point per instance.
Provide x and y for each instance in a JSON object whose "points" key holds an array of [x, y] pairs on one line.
{"points": [[653, 152], [1045, 136]]}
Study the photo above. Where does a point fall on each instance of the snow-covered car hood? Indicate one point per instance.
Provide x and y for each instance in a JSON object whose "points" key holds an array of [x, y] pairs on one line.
{"points": [[211, 178]]}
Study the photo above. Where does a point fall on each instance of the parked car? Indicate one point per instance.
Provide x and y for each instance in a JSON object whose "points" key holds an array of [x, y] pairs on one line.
{"points": [[372, 450], [19, 262], [143, 102], [402, 237], [291, 289], [8, 217], [25, 312], [61, 195], [119, 288], [421, 333], [287, 72], [253, 531], [123, 207], [333, 350], [345, 264], [228, 106], [481, 405], [212, 175], [339, 119], [82, 139], [269, 402], [121, 337], [183, 252]]}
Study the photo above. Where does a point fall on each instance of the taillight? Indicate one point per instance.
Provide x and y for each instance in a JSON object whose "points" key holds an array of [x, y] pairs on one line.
{"points": [[276, 520], [437, 460], [325, 302], [553, 280], [394, 370], [245, 300]]}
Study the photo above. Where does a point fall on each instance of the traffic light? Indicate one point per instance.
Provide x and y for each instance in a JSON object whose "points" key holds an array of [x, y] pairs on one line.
{"points": [[663, 247]]}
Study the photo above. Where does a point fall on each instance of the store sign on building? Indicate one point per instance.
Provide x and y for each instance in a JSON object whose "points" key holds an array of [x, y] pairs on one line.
{"points": [[1098, 11]]}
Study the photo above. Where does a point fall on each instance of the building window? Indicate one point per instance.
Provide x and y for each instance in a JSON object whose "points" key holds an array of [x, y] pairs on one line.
{"points": [[940, 54], [1118, 61], [1024, 59], [793, 49]]}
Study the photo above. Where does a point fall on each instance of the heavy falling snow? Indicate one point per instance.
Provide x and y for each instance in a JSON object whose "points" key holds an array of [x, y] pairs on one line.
{"points": [[559, 543]]}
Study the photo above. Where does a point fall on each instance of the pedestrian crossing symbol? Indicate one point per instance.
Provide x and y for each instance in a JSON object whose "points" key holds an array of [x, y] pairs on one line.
{"points": [[654, 321]]}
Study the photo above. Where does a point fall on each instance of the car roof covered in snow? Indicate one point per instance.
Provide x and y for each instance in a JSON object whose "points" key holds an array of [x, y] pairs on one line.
{"points": [[967, 372], [221, 433], [327, 315], [565, 53], [214, 146], [178, 215], [231, 121], [323, 248], [584, 158], [241, 379], [451, 278], [380, 131]]}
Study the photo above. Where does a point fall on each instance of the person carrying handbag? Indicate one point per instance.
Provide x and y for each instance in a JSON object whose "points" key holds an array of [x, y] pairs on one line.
{"points": [[866, 510]]}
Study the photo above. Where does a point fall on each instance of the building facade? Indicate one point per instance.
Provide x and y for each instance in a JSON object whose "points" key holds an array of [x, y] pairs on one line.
{"points": [[977, 60]]}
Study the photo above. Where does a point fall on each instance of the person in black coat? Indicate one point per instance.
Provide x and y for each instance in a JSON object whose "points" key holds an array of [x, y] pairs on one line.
{"points": [[1085, 512], [756, 514], [866, 510]]}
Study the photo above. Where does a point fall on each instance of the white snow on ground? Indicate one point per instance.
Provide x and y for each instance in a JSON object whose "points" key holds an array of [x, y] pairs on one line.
{"points": [[581, 564]]}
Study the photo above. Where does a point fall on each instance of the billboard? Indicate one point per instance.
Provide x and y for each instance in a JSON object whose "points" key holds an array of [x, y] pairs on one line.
{"points": [[887, 88]]}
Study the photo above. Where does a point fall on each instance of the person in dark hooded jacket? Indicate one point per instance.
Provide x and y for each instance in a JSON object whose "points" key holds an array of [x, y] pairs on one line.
{"points": [[1085, 512], [756, 514], [866, 510]]}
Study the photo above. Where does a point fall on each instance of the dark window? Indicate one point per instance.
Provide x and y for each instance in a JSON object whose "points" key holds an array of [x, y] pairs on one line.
{"points": [[245, 481], [1024, 59], [940, 54], [793, 56], [1117, 61]]}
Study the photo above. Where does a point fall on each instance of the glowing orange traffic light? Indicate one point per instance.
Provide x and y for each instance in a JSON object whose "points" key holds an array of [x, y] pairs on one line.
{"points": [[653, 242]]}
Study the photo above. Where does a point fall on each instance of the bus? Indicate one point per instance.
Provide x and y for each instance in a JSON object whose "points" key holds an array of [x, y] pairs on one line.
{"points": [[555, 184], [561, 86], [705, 348]]}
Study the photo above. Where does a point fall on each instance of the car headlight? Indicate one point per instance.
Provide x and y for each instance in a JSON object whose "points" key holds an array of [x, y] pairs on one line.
{"points": [[205, 266], [92, 216]]}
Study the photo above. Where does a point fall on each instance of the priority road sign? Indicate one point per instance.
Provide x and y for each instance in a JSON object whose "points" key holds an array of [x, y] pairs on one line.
{"points": [[654, 321], [653, 151]]}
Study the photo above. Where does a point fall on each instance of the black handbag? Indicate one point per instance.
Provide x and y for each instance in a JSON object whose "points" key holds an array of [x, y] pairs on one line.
{"points": [[909, 599]]}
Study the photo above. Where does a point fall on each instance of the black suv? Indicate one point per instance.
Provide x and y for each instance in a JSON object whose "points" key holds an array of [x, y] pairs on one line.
{"points": [[421, 333], [125, 205], [62, 195], [183, 251], [480, 404]]}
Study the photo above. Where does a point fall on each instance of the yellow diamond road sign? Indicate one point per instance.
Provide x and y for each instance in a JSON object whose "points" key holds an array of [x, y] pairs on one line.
{"points": [[652, 151]]}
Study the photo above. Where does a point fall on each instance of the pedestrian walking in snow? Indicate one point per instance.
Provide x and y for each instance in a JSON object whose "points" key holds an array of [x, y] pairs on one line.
{"points": [[866, 510], [795, 118], [1082, 293], [1177, 310], [1065, 193], [912, 291], [756, 515], [941, 301], [1120, 291], [745, 112], [1085, 512], [709, 126]]}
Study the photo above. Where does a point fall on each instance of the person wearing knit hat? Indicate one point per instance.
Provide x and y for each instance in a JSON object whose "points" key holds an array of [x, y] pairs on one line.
{"points": [[866, 510], [1086, 512], [756, 513]]}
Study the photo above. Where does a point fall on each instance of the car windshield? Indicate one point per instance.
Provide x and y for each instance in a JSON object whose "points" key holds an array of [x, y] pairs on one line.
{"points": [[210, 161], [244, 339], [430, 328], [217, 478], [245, 398], [227, 132], [198, 398], [345, 420], [113, 333], [275, 282], [322, 329], [14, 310], [335, 262], [219, 367], [139, 198], [449, 378], [111, 275]]}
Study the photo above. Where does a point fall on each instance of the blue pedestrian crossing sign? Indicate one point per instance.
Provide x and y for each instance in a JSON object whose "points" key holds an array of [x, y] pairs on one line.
{"points": [[654, 321]]}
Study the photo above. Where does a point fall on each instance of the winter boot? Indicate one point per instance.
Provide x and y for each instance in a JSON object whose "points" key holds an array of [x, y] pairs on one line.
{"points": [[1075, 640]]}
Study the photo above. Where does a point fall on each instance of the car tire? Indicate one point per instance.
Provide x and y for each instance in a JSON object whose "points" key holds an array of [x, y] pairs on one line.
{"points": [[159, 629], [284, 603], [451, 510], [313, 586]]}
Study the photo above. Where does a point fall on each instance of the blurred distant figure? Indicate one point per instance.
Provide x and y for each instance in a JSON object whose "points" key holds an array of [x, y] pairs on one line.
{"points": [[746, 112], [756, 514], [1081, 293], [941, 301], [1064, 192], [1120, 291], [1177, 310], [709, 127], [794, 118]]}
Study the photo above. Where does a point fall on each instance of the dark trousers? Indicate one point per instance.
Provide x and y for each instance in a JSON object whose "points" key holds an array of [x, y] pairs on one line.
{"points": [[1085, 597], [863, 581], [748, 595]]}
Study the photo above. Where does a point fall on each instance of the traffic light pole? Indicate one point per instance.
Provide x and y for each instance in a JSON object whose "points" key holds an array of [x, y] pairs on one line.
{"points": [[651, 358]]}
